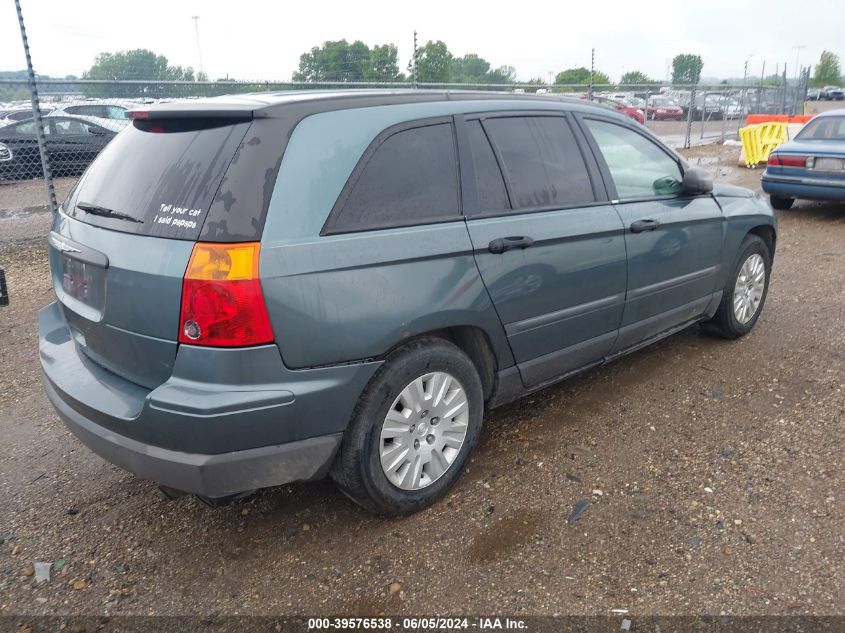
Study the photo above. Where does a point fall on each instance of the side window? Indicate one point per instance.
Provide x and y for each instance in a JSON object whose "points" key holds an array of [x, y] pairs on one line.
{"points": [[70, 127], [411, 178], [28, 127], [543, 164], [492, 195], [639, 167], [115, 112]]}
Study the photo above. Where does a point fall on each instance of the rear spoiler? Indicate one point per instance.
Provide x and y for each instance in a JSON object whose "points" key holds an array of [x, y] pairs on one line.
{"points": [[194, 111]]}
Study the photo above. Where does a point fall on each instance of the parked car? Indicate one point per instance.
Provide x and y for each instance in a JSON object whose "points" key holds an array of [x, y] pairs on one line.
{"points": [[111, 114], [814, 94], [706, 107], [72, 143], [664, 109], [729, 107], [15, 115], [620, 106], [832, 93], [373, 272], [811, 166]]}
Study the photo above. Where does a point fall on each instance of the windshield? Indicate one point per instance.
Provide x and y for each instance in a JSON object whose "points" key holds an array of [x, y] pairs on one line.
{"points": [[828, 128]]}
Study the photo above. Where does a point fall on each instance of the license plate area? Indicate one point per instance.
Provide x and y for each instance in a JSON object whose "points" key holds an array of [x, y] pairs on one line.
{"points": [[83, 287], [828, 164]]}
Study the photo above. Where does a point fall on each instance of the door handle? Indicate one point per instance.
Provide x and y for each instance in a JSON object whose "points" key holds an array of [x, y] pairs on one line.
{"points": [[644, 225], [502, 244]]}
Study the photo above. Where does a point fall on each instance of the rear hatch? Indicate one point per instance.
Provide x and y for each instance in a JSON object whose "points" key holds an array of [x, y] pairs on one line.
{"points": [[121, 243]]}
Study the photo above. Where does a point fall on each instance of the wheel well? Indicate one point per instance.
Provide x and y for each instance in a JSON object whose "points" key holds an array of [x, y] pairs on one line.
{"points": [[473, 342], [767, 234]]}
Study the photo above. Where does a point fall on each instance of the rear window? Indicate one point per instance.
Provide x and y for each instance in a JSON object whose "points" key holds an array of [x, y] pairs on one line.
{"points": [[826, 128], [158, 178]]}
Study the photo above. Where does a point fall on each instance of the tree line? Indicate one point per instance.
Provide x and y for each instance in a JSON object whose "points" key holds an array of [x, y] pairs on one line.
{"points": [[343, 62]]}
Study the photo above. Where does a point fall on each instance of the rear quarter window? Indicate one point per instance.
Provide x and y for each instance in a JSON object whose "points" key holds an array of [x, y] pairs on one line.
{"points": [[407, 177]]}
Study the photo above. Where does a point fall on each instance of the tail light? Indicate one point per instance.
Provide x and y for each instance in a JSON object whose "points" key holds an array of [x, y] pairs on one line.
{"points": [[790, 160], [222, 301]]}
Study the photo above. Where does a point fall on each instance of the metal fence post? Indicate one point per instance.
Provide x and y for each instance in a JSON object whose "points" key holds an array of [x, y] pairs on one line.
{"points": [[690, 108], [36, 113]]}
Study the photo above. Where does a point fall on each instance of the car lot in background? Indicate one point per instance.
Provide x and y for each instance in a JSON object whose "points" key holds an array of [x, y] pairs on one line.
{"points": [[72, 143], [811, 166]]}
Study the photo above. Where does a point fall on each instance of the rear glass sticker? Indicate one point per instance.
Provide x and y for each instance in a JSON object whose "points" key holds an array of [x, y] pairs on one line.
{"points": [[178, 217]]}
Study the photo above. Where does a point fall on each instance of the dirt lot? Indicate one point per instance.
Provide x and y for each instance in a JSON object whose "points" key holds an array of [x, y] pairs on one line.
{"points": [[714, 470]]}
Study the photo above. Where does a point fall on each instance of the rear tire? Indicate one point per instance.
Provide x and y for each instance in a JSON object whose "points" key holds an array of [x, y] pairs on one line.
{"points": [[745, 291], [781, 204], [376, 439]]}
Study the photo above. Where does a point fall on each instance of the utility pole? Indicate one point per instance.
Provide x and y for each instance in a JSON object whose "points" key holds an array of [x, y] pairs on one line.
{"points": [[196, 20], [592, 72], [414, 60], [36, 114], [797, 56]]}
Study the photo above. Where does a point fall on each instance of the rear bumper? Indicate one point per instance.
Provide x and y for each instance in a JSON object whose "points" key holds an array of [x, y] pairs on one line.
{"points": [[803, 188], [227, 421], [207, 475]]}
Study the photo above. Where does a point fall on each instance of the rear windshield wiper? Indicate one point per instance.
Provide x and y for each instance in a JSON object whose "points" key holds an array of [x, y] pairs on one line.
{"points": [[94, 209]]}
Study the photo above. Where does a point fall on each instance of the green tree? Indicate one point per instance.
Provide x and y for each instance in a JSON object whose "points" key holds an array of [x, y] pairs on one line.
{"points": [[434, 63], [383, 64], [334, 61], [635, 78], [828, 70], [343, 62], [686, 69], [501, 75], [469, 69], [137, 64], [581, 76], [538, 82]]}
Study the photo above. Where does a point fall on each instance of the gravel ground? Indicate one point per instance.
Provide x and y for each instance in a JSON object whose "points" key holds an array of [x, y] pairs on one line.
{"points": [[713, 470]]}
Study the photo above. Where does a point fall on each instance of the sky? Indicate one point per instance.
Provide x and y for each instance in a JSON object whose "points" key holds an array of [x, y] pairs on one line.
{"points": [[251, 39]]}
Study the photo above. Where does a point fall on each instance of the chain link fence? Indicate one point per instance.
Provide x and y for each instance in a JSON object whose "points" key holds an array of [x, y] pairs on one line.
{"points": [[80, 117]]}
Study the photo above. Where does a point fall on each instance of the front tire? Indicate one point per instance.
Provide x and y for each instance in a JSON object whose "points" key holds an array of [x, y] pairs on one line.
{"points": [[413, 429], [781, 204], [745, 292]]}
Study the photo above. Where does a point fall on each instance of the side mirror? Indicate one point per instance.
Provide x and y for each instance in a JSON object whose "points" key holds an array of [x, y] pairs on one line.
{"points": [[696, 181]]}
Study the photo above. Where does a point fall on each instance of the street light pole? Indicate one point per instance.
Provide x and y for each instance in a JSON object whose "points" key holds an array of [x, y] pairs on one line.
{"points": [[797, 54], [196, 20]]}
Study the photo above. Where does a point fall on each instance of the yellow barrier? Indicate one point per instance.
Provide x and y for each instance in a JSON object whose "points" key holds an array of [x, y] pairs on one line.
{"points": [[758, 141]]}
